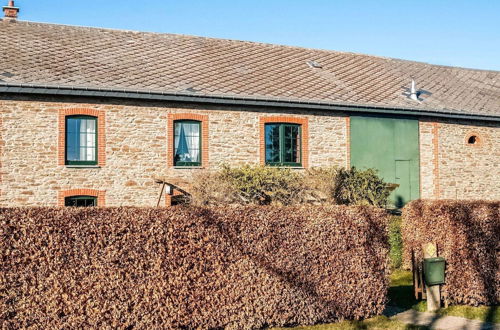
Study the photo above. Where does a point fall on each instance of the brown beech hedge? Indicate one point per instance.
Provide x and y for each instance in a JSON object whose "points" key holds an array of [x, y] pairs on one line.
{"points": [[467, 234], [232, 267]]}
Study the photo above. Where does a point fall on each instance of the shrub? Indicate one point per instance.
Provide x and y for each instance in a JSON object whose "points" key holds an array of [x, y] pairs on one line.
{"points": [[244, 267], [319, 185], [467, 234], [211, 188], [355, 187], [249, 184], [267, 185]]}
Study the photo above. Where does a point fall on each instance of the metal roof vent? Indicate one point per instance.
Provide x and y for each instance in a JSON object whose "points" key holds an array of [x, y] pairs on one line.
{"points": [[314, 64], [413, 91]]}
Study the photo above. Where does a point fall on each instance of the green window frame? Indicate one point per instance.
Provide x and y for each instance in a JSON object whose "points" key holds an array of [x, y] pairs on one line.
{"points": [[187, 143], [283, 144], [73, 136], [80, 201]]}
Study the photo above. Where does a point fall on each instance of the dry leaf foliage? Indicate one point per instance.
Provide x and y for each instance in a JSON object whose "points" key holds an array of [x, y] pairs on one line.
{"points": [[277, 186], [468, 236], [190, 267]]}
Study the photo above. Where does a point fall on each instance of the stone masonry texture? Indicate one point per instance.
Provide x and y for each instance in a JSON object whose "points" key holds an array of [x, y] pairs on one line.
{"points": [[468, 171], [137, 143], [450, 168], [138, 146]]}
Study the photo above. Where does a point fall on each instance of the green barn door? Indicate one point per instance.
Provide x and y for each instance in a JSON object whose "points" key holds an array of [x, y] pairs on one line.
{"points": [[403, 179], [389, 145]]}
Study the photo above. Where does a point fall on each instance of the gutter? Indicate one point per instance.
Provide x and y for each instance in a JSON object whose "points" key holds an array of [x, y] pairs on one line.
{"points": [[236, 100]]}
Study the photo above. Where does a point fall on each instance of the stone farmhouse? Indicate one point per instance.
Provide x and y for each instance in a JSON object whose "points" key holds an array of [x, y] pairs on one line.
{"points": [[93, 116]]}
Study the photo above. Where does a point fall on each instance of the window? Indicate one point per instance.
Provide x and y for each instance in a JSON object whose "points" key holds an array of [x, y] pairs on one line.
{"points": [[80, 201], [82, 197], [187, 143], [473, 139], [283, 144], [81, 140]]}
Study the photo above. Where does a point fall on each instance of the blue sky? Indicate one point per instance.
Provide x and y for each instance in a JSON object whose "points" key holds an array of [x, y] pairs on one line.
{"points": [[458, 33]]}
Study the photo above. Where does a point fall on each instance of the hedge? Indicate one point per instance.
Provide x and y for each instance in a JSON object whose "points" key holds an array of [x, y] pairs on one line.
{"points": [[180, 267], [467, 234]]}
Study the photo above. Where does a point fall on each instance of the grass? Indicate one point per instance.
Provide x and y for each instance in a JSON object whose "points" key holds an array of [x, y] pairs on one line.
{"points": [[484, 313], [396, 242], [401, 290], [378, 322]]}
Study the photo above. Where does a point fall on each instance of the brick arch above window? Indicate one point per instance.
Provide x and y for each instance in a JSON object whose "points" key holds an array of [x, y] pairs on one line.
{"points": [[203, 119], [302, 121], [99, 194], [101, 132]]}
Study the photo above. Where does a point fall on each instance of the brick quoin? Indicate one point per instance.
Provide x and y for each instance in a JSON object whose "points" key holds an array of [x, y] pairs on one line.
{"points": [[101, 132], [172, 117], [304, 122], [435, 144], [348, 142], [100, 194], [168, 198]]}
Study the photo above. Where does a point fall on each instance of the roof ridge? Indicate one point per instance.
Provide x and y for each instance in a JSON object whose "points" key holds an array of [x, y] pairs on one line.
{"points": [[330, 51]]}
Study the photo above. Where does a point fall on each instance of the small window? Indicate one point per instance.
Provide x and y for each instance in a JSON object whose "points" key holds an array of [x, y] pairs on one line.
{"points": [[81, 140], [80, 201], [187, 143], [283, 144], [472, 139]]}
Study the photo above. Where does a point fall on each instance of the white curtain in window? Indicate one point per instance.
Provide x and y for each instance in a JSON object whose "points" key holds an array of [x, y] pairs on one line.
{"points": [[87, 140], [187, 142]]}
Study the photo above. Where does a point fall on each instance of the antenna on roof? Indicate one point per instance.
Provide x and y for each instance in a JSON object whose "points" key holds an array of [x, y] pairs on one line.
{"points": [[10, 11], [413, 91]]}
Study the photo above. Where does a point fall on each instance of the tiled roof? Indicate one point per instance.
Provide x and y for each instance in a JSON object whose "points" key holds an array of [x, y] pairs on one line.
{"points": [[69, 56]]}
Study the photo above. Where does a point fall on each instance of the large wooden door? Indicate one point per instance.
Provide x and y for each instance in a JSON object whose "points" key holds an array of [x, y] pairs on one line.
{"points": [[391, 146]]}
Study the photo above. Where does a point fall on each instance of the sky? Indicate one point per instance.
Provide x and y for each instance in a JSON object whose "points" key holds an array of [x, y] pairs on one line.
{"points": [[463, 33]]}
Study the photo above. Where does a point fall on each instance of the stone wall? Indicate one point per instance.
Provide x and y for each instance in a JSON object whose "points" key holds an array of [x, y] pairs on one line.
{"points": [[451, 168], [428, 159], [137, 141], [469, 171]]}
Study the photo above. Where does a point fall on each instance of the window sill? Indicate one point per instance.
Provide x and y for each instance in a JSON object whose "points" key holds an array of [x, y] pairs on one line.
{"points": [[285, 166], [82, 166], [188, 167]]}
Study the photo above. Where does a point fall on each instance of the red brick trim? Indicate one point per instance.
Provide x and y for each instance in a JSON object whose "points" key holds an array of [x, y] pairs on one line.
{"points": [[304, 122], [172, 117], [101, 136], [435, 144], [100, 194], [348, 142], [168, 198], [479, 139]]}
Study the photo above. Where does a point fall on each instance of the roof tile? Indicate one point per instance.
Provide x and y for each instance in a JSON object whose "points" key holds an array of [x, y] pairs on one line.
{"points": [[58, 55]]}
